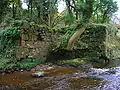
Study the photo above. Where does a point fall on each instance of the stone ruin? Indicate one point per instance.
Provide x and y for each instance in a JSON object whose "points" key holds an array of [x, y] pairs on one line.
{"points": [[34, 41], [97, 40]]}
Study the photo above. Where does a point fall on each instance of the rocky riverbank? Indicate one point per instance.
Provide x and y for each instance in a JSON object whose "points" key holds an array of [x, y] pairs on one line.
{"points": [[56, 77]]}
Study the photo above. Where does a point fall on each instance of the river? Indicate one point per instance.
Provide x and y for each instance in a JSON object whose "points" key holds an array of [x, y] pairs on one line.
{"points": [[106, 77]]}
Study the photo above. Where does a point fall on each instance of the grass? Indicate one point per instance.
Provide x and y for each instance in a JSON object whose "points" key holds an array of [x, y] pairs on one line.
{"points": [[26, 63], [75, 62], [29, 63]]}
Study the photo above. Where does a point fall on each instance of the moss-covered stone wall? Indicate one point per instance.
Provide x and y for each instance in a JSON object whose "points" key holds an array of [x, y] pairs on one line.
{"points": [[94, 43], [35, 41], [97, 39]]}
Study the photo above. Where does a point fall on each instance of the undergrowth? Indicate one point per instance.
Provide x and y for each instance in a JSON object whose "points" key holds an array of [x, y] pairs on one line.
{"points": [[6, 63], [9, 41]]}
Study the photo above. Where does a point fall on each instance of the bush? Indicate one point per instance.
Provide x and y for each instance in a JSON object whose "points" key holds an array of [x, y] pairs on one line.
{"points": [[10, 38]]}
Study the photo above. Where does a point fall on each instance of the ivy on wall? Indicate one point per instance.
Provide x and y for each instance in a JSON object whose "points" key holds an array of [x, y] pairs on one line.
{"points": [[10, 38]]}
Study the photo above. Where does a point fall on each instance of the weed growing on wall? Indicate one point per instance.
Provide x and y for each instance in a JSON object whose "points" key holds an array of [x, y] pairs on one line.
{"points": [[10, 38]]}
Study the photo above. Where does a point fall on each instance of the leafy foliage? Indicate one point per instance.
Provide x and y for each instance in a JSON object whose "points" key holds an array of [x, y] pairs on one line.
{"points": [[3, 8], [6, 63], [10, 39], [69, 18], [68, 32], [103, 10]]}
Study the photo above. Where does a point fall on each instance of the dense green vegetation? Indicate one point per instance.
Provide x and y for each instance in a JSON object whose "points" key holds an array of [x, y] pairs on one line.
{"points": [[79, 26], [8, 64]]}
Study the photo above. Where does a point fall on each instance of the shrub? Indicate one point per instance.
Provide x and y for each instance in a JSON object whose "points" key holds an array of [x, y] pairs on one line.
{"points": [[9, 38]]}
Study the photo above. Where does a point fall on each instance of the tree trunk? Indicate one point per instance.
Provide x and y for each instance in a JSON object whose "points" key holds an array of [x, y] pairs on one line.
{"points": [[13, 10], [86, 15], [31, 11], [75, 36]]}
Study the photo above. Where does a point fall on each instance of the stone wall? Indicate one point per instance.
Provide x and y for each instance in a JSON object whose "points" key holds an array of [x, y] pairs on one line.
{"points": [[97, 42], [100, 40], [35, 41]]}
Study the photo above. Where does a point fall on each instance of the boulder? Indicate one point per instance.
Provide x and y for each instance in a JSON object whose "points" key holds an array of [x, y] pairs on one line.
{"points": [[38, 74]]}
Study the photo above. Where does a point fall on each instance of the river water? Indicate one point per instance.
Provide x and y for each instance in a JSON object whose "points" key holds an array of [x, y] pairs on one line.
{"points": [[105, 77]]}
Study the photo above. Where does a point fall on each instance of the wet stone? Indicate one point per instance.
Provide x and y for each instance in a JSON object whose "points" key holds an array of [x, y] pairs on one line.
{"points": [[9, 87], [38, 74]]}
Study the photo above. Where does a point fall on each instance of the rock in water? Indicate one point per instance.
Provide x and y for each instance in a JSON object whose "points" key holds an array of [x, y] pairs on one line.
{"points": [[38, 74], [49, 68]]}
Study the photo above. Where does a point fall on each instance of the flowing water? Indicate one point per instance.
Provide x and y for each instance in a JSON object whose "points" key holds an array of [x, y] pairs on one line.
{"points": [[104, 78]]}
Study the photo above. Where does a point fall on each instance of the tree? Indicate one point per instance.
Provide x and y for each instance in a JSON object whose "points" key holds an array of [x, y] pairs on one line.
{"points": [[16, 8], [3, 8], [104, 9], [42, 11], [84, 10], [86, 14], [46, 11]]}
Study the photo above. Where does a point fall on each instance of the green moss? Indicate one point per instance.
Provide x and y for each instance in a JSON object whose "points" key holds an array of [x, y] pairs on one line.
{"points": [[74, 62]]}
